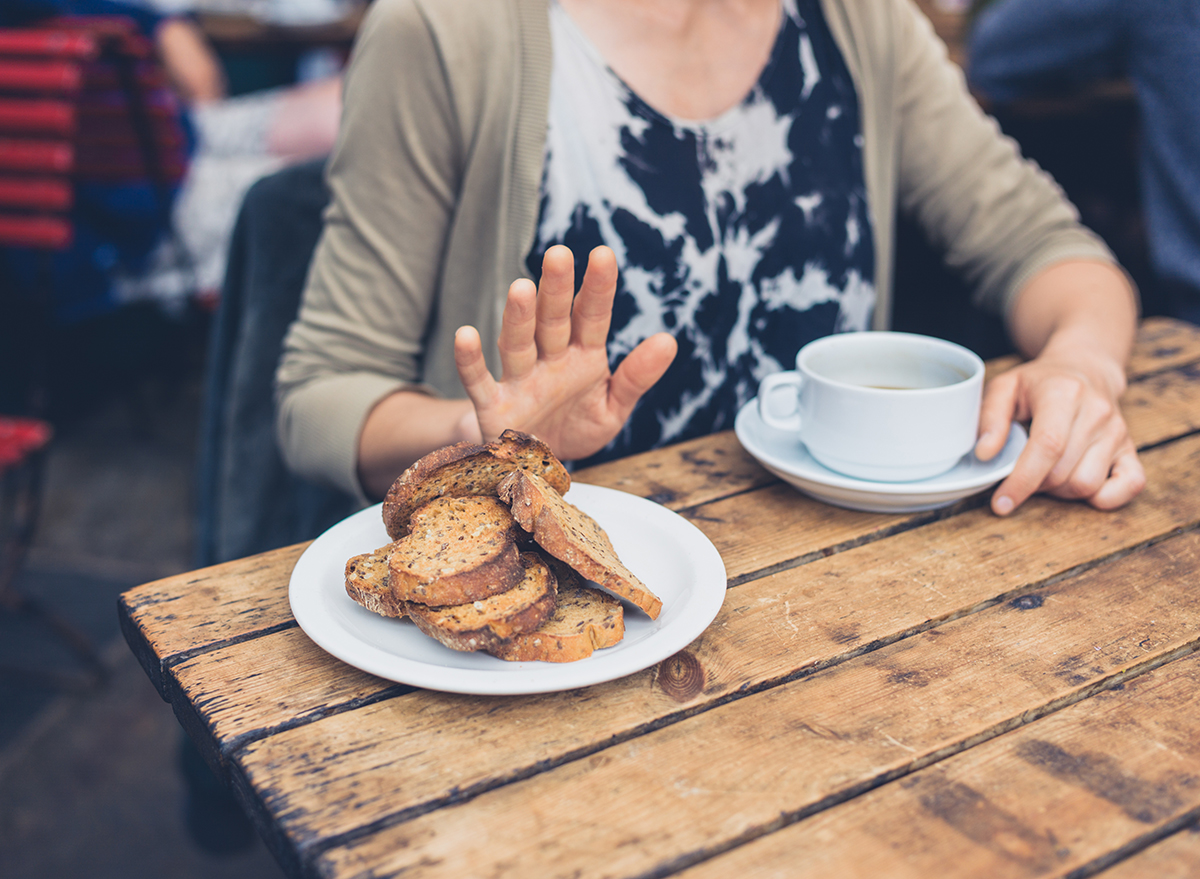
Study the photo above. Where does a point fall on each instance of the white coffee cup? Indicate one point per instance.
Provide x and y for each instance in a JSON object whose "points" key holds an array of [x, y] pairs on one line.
{"points": [[883, 406]]}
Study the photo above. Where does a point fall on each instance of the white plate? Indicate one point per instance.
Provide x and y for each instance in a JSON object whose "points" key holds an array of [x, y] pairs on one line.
{"points": [[668, 554], [785, 456]]}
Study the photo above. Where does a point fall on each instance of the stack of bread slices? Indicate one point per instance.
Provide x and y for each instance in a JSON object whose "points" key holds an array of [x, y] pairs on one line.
{"points": [[486, 554]]}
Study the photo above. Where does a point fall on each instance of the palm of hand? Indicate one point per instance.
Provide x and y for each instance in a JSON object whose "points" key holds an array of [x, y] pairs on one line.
{"points": [[555, 380]]}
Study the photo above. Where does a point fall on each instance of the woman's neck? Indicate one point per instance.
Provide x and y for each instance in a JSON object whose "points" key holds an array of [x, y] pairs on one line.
{"points": [[691, 59]]}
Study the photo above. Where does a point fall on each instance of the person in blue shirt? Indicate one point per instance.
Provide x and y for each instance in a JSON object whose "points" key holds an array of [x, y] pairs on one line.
{"points": [[1033, 48]]}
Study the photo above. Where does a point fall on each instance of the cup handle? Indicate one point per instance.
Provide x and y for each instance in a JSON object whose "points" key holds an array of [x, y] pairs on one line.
{"points": [[769, 388]]}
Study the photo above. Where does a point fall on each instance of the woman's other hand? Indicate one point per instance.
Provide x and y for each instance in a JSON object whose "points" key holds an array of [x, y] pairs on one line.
{"points": [[555, 380], [1079, 319]]}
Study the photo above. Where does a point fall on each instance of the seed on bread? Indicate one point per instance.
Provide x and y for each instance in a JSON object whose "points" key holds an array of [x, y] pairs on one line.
{"points": [[490, 622], [457, 550], [584, 621], [468, 469], [368, 582], [569, 534]]}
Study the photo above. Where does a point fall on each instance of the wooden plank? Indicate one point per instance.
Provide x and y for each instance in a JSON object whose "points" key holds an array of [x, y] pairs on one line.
{"points": [[1163, 406], [1176, 857], [685, 474], [1164, 343], [1063, 794], [244, 697], [769, 630], [662, 799], [179, 615]]}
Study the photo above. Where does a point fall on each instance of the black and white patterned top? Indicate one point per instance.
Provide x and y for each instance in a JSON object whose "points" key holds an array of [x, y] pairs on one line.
{"points": [[744, 236]]}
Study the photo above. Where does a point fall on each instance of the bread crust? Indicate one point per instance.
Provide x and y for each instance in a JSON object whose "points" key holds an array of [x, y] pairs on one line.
{"points": [[457, 550], [490, 622], [584, 621], [467, 469], [368, 582], [568, 533]]}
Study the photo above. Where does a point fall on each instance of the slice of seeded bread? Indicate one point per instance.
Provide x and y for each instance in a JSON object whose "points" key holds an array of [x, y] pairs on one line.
{"points": [[468, 469], [489, 622], [457, 550], [568, 533], [368, 582], [585, 620]]}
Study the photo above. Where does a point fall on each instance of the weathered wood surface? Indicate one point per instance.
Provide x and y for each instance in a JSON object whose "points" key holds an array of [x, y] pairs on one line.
{"points": [[898, 584], [174, 617], [857, 657], [1176, 857], [728, 775], [1052, 797]]}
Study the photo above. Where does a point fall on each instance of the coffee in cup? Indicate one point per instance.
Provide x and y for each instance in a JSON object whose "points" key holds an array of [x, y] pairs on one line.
{"points": [[882, 406]]}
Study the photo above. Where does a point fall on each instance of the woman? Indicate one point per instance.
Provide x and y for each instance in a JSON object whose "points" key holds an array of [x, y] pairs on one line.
{"points": [[479, 135]]}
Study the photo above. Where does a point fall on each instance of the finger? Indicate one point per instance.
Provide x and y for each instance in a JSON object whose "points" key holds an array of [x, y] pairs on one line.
{"points": [[554, 295], [518, 350], [472, 369], [1093, 468], [593, 305], [638, 372], [1097, 433], [996, 416], [1049, 435], [1127, 479]]}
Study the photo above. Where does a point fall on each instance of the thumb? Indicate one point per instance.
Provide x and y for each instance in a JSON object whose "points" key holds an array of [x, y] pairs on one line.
{"points": [[638, 372], [996, 416]]}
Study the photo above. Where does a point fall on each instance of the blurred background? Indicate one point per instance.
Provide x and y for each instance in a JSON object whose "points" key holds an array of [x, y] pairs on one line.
{"points": [[110, 342]]}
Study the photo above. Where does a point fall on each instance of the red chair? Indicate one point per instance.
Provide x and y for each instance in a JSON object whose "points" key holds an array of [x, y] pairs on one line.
{"points": [[82, 100]]}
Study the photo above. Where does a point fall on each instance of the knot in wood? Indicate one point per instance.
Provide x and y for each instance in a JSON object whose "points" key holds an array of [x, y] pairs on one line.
{"points": [[681, 676], [1027, 602]]}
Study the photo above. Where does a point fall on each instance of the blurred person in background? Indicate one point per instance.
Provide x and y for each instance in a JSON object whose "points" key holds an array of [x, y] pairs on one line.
{"points": [[1039, 48], [236, 140]]}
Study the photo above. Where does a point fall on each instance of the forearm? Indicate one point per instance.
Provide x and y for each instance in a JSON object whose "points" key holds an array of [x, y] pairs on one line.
{"points": [[190, 62], [1080, 313], [404, 426]]}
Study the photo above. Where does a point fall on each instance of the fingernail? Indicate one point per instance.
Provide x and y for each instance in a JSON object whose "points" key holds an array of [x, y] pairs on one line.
{"points": [[1003, 505]]}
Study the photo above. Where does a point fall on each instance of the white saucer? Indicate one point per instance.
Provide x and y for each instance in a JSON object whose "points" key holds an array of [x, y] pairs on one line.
{"points": [[784, 455]]}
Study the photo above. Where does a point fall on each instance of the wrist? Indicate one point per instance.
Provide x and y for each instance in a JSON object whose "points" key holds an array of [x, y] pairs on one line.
{"points": [[1079, 353]]}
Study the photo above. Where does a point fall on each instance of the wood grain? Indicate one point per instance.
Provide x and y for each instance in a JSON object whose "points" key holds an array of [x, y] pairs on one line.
{"points": [[728, 775], [176, 616], [1163, 406], [1176, 857], [1163, 343], [685, 474], [769, 630], [1055, 796]]}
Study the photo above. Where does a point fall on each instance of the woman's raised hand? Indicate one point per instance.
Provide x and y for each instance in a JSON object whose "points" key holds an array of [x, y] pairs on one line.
{"points": [[555, 382]]}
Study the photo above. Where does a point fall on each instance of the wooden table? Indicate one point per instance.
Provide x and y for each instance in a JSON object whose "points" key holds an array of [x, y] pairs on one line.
{"points": [[928, 695]]}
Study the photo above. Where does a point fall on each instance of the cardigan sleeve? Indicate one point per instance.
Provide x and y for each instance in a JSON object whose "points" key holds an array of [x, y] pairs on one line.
{"points": [[393, 178], [998, 217]]}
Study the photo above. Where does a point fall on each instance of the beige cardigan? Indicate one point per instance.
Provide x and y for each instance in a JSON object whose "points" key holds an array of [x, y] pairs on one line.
{"points": [[435, 183]]}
